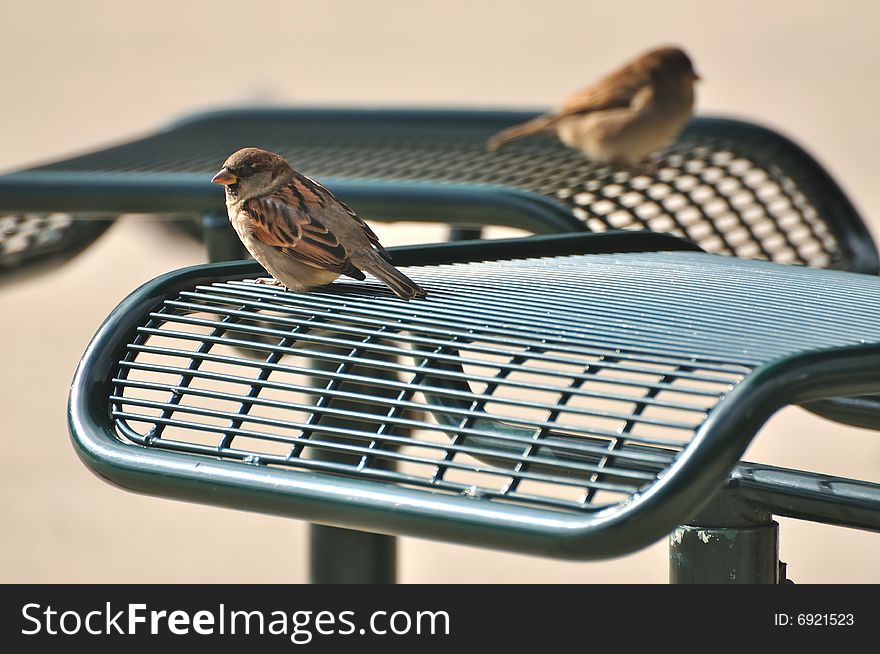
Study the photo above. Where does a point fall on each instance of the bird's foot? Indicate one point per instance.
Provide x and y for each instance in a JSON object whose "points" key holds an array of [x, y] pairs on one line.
{"points": [[269, 281]]}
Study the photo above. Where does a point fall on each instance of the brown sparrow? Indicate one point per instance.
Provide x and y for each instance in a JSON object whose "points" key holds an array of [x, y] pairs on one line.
{"points": [[298, 230], [625, 116]]}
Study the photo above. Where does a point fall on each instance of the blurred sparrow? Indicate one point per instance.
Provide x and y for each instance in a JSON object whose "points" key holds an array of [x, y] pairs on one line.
{"points": [[625, 116], [298, 230]]}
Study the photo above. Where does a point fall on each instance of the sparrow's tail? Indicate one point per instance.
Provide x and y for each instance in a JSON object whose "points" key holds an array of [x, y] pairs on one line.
{"points": [[534, 126], [403, 286]]}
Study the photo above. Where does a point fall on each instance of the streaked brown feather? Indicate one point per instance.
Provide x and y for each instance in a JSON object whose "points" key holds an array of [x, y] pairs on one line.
{"points": [[327, 196], [614, 91], [276, 222]]}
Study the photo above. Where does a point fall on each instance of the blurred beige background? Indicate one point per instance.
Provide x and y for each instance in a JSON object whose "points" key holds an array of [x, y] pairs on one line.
{"points": [[79, 75]]}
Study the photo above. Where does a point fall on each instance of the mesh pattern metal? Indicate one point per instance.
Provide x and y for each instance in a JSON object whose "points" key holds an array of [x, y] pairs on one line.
{"points": [[36, 235], [568, 383], [724, 185]]}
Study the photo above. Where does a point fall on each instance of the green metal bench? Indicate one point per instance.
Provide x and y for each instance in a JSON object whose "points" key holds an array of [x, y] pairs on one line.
{"points": [[569, 396], [730, 186]]}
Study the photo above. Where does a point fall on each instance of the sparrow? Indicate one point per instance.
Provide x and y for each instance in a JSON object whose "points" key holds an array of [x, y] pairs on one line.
{"points": [[626, 115], [298, 230]]}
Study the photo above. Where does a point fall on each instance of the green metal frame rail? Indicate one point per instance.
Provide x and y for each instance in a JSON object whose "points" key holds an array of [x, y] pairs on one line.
{"points": [[571, 396]]}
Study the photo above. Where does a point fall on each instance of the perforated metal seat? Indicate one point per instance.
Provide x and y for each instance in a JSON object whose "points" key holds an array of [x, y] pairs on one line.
{"points": [[730, 186], [32, 240], [569, 396]]}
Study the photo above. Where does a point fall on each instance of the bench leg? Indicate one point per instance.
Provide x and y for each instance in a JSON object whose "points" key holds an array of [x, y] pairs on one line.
{"points": [[465, 233], [728, 542], [221, 241], [344, 556]]}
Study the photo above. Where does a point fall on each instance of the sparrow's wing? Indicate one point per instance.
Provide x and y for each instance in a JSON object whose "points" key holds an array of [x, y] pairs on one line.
{"points": [[324, 193], [614, 91], [285, 220]]}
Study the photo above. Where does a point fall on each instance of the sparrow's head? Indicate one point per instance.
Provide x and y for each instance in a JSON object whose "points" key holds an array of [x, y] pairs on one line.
{"points": [[251, 172], [669, 63]]}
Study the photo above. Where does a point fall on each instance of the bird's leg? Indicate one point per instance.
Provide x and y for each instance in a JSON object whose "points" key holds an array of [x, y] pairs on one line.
{"points": [[269, 281]]}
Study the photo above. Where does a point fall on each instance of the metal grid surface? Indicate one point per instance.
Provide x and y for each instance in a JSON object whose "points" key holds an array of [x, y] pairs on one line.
{"points": [[732, 187], [30, 236], [568, 383]]}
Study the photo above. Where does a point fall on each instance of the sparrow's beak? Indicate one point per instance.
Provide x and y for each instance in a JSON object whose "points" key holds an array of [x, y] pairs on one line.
{"points": [[695, 76], [224, 177]]}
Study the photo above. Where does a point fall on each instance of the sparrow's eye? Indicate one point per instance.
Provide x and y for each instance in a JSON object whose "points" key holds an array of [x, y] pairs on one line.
{"points": [[245, 171]]}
